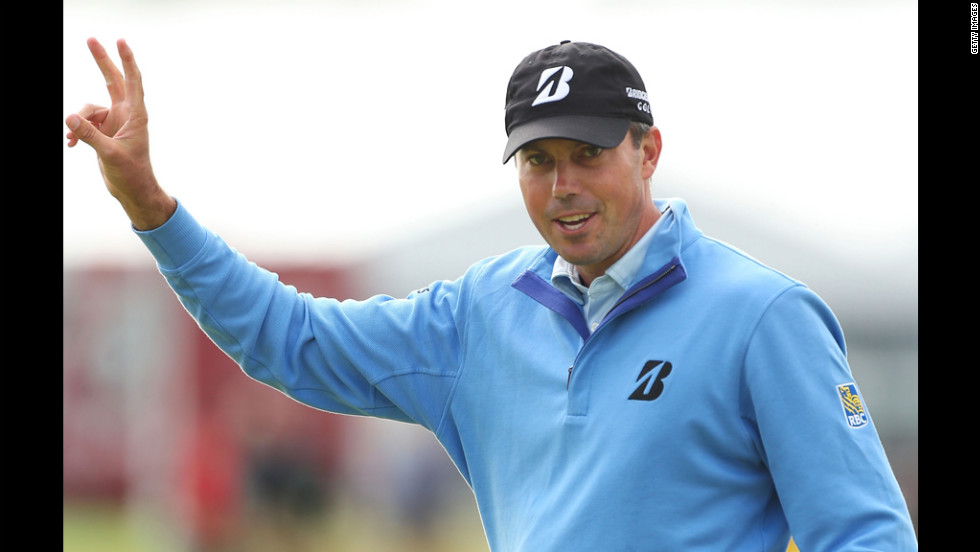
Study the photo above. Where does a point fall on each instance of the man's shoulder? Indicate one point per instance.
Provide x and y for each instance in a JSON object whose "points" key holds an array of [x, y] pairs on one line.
{"points": [[721, 261], [511, 264]]}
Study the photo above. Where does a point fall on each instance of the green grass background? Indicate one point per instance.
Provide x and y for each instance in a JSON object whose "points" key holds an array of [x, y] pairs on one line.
{"points": [[100, 527]]}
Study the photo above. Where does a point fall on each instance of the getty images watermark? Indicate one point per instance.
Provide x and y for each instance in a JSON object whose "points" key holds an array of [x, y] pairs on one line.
{"points": [[973, 27]]}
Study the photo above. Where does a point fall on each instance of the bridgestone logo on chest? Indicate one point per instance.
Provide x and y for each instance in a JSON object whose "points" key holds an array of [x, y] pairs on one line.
{"points": [[651, 386]]}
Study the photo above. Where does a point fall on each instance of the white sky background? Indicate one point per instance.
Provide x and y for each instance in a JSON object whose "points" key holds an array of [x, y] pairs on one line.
{"points": [[316, 130]]}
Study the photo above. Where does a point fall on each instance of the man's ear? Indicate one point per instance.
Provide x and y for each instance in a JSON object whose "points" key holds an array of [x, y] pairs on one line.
{"points": [[651, 146]]}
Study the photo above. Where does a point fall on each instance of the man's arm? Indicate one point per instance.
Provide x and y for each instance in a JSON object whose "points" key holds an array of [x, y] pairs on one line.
{"points": [[341, 356], [829, 467], [119, 136]]}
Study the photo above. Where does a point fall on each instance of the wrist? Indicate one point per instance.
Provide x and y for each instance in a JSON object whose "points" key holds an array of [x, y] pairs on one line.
{"points": [[149, 210]]}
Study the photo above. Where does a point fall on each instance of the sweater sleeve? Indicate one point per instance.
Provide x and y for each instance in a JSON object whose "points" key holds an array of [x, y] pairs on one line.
{"points": [[829, 468], [383, 357]]}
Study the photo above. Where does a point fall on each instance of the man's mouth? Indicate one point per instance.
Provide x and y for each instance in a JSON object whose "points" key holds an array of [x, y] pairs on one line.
{"points": [[573, 222]]}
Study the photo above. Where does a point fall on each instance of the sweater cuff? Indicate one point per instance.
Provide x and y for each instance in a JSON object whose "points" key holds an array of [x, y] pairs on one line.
{"points": [[176, 241]]}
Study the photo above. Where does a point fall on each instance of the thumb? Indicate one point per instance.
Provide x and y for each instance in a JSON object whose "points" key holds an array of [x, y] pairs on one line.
{"points": [[86, 132]]}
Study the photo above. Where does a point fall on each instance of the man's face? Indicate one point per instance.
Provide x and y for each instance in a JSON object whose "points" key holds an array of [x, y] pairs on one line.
{"points": [[590, 204]]}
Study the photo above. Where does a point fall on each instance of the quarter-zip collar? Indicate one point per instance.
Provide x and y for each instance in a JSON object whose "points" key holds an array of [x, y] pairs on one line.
{"points": [[604, 291], [662, 268]]}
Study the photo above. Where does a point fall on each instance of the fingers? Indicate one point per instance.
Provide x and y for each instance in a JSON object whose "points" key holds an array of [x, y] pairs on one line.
{"points": [[94, 114], [95, 125], [84, 131], [134, 79], [114, 80]]}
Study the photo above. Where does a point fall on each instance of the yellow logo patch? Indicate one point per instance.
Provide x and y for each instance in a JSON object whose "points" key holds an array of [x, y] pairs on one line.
{"points": [[853, 406]]}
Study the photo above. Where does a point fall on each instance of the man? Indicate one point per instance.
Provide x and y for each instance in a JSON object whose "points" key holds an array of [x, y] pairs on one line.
{"points": [[637, 385]]}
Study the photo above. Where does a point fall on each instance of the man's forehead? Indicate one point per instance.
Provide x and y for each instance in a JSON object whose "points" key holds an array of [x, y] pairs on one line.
{"points": [[553, 143]]}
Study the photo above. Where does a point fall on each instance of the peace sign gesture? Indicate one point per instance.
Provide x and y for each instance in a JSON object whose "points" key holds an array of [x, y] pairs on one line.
{"points": [[119, 136]]}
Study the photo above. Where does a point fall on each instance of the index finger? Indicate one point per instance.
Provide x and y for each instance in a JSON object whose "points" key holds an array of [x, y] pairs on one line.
{"points": [[114, 81]]}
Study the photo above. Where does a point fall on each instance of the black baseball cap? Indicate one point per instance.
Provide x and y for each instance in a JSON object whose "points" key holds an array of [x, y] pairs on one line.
{"points": [[574, 90]]}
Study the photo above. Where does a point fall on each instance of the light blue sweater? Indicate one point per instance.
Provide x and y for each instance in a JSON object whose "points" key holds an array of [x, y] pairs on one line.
{"points": [[712, 409]]}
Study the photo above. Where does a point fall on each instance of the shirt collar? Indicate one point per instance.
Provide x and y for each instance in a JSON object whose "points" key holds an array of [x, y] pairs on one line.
{"points": [[565, 276]]}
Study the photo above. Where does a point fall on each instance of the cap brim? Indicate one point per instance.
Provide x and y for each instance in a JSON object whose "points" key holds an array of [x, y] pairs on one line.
{"points": [[605, 132]]}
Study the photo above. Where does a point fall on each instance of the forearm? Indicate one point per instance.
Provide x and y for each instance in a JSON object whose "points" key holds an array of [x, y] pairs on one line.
{"points": [[313, 353], [226, 294], [149, 206]]}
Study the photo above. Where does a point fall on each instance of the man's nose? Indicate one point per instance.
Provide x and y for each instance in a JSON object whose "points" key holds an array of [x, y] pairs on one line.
{"points": [[566, 180]]}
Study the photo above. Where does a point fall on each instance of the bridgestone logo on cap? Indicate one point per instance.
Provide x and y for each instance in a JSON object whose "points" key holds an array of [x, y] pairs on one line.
{"points": [[594, 103], [559, 85], [636, 94]]}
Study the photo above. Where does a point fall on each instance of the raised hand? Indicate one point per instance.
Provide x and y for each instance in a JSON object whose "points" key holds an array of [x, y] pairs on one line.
{"points": [[120, 138]]}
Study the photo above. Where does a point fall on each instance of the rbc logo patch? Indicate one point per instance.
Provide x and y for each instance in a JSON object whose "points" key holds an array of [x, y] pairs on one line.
{"points": [[853, 407]]}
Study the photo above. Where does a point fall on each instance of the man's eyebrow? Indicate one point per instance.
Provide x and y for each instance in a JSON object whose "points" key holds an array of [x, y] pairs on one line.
{"points": [[528, 149], [536, 144]]}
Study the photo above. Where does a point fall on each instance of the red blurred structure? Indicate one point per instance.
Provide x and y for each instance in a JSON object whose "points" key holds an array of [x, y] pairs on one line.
{"points": [[152, 409]]}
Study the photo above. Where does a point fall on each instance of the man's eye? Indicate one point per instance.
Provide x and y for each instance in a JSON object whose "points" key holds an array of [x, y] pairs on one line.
{"points": [[536, 159], [591, 151]]}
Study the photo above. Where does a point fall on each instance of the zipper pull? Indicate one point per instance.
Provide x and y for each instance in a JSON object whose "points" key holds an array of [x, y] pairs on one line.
{"points": [[569, 382]]}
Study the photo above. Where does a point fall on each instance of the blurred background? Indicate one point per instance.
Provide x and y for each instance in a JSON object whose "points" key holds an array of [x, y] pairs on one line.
{"points": [[354, 148]]}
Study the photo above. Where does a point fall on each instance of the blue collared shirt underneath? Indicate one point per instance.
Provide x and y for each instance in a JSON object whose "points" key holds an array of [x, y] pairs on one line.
{"points": [[598, 298]]}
